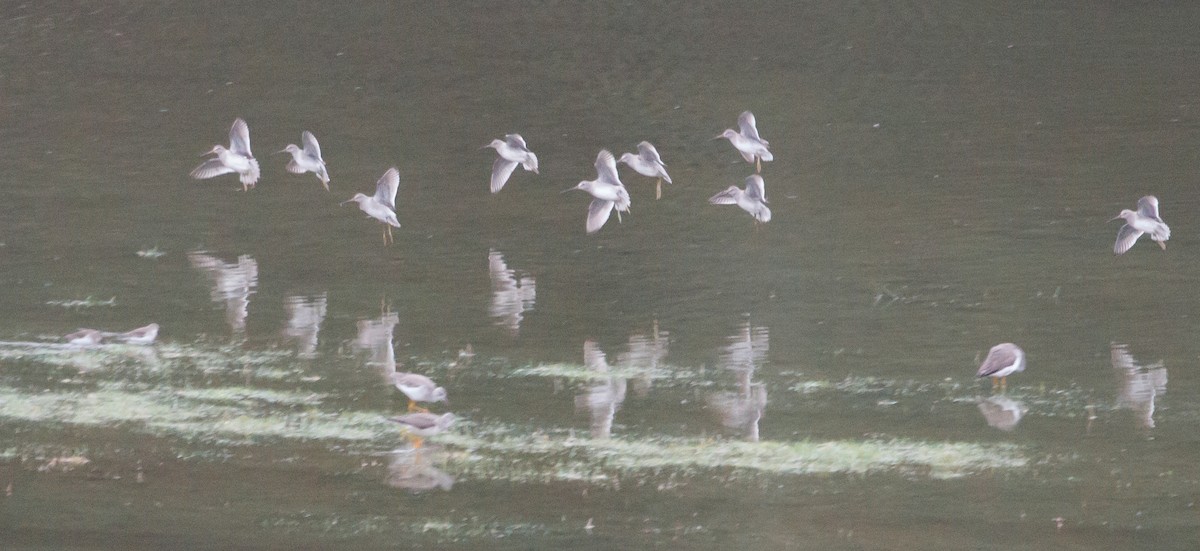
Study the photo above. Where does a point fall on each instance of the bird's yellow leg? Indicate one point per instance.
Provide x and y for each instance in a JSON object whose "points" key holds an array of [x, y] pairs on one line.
{"points": [[390, 238], [1163, 244], [1003, 384], [758, 164], [658, 190]]}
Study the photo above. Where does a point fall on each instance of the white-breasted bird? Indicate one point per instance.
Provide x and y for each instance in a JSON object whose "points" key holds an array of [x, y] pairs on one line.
{"points": [[307, 159], [747, 141], [1002, 360], [381, 206], [1145, 220], [648, 163], [237, 158], [512, 151], [752, 200], [608, 191]]}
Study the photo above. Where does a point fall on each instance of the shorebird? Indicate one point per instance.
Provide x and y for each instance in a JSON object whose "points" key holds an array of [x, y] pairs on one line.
{"points": [[753, 148], [141, 336], [608, 191], [237, 158], [382, 206], [752, 200], [85, 337], [648, 163], [1002, 360], [307, 159], [424, 424], [418, 388], [512, 151], [1145, 220]]}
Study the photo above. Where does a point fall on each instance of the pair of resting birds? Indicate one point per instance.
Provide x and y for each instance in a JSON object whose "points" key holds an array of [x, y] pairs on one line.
{"points": [[419, 388], [609, 193]]}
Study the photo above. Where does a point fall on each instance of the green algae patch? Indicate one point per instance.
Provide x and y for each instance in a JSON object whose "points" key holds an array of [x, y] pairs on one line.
{"points": [[583, 373], [565, 457]]}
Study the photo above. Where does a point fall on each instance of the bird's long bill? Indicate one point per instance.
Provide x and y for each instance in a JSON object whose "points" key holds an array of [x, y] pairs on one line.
{"points": [[717, 137], [207, 153], [343, 203], [278, 152], [1117, 217], [569, 189]]}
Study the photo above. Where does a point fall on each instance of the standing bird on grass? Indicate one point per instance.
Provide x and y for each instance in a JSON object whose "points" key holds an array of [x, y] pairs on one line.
{"points": [[1145, 220], [752, 200], [382, 206], [753, 148], [1002, 360], [237, 158], [512, 151], [608, 191], [648, 163], [307, 159]]}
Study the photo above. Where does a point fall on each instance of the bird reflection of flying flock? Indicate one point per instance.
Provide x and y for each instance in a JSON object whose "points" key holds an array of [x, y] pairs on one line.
{"points": [[742, 409], [375, 337], [305, 314], [605, 396], [512, 296], [1138, 386], [232, 284], [644, 356]]}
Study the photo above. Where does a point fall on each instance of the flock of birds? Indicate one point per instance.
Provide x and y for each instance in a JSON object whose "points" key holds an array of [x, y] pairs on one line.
{"points": [[607, 190], [608, 195]]}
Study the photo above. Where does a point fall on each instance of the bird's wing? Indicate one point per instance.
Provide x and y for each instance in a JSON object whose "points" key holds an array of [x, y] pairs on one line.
{"points": [[606, 168], [749, 127], [239, 138], [501, 169], [998, 358], [1148, 207], [598, 213], [755, 188], [385, 188], [1126, 237], [294, 168], [210, 168], [727, 197], [311, 147], [515, 140], [649, 154]]}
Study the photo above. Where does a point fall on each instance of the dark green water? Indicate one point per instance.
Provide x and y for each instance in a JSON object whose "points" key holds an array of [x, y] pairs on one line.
{"points": [[943, 176]]}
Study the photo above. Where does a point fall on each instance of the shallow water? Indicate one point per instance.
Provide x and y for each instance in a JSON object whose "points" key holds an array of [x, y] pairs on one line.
{"points": [[943, 177]]}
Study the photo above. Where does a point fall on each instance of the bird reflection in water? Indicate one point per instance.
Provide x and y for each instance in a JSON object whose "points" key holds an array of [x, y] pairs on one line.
{"points": [[606, 394], [1137, 385], [645, 355], [417, 470], [741, 410], [375, 338], [1002, 412], [305, 314], [512, 296], [232, 284]]}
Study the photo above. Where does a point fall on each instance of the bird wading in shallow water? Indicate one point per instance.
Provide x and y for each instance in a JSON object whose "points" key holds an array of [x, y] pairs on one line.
{"points": [[753, 148], [381, 206], [418, 388], [648, 163], [307, 159], [422, 425], [237, 158], [609, 193], [1144, 220], [1002, 360], [512, 151], [752, 200]]}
